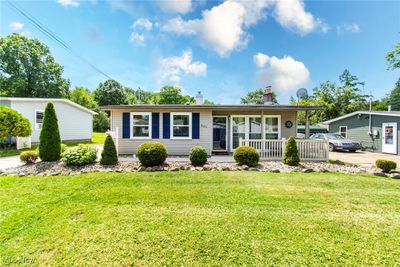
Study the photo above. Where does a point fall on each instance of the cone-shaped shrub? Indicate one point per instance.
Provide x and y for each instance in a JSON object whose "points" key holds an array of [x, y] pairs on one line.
{"points": [[109, 154], [291, 156], [50, 143]]}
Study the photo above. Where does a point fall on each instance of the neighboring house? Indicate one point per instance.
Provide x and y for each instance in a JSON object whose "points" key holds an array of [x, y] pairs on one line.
{"points": [[74, 121], [313, 129], [376, 130], [217, 128]]}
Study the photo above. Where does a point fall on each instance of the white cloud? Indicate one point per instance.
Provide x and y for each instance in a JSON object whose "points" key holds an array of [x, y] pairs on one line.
{"points": [[176, 6], [126, 6], [143, 23], [260, 59], [68, 3], [284, 74], [16, 26], [223, 27], [353, 28], [292, 15], [137, 38], [172, 68]]}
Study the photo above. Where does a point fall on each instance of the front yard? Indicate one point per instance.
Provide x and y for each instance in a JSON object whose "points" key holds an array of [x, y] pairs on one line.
{"points": [[200, 218]]}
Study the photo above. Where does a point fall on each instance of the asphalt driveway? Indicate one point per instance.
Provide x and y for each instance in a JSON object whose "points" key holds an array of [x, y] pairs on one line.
{"points": [[363, 158]]}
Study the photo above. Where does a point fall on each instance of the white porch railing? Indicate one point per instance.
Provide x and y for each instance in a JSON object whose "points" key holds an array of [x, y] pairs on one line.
{"points": [[309, 150]]}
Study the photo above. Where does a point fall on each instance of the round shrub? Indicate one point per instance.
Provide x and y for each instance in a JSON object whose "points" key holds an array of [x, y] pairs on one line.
{"points": [[151, 154], [81, 155], [291, 155], [109, 154], [198, 156], [245, 155], [385, 165], [28, 157]]}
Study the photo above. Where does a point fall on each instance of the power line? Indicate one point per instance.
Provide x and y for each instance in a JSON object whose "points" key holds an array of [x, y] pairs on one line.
{"points": [[40, 26]]}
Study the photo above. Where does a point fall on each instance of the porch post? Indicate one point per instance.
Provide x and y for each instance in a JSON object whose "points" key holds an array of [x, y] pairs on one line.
{"points": [[262, 132], [307, 130]]}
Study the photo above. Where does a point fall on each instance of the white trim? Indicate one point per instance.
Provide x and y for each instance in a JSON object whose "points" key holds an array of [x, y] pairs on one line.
{"points": [[226, 133], [391, 114], [172, 125], [389, 148], [279, 125], [50, 100], [149, 125], [340, 131], [37, 127]]}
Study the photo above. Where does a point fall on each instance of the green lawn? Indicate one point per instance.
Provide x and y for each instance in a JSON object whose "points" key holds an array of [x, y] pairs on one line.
{"points": [[98, 138], [200, 219]]}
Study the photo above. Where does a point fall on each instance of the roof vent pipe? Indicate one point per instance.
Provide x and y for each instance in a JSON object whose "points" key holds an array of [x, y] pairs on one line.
{"points": [[199, 98], [390, 108], [268, 95]]}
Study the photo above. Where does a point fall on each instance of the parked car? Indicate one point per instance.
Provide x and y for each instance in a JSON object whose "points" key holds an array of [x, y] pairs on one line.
{"points": [[338, 142]]}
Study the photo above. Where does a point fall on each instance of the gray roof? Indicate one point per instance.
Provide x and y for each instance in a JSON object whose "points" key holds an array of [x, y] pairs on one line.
{"points": [[378, 113], [211, 107]]}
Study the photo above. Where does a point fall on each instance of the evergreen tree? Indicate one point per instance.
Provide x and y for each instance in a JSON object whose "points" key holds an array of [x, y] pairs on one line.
{"points": [[50, 142], [109, 154], [291, 156]]}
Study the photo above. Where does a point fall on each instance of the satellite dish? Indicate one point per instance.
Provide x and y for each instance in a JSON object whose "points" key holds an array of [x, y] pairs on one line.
{"points": [[302, 93]]}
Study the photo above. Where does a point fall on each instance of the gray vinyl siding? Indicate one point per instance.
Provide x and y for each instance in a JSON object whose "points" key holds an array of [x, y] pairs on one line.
{"points": [[73, 123], [358, 127], [175, 147], [5, 103]]}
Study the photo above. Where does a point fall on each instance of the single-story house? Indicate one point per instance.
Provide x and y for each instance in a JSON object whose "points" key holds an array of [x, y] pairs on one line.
{"points": [[217, 128], [376, 130], [74, 121]]}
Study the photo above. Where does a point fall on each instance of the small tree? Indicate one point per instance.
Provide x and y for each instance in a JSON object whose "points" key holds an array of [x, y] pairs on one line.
{"points": [[13, 123], [50, 142], [291, 156], [109, 154]]}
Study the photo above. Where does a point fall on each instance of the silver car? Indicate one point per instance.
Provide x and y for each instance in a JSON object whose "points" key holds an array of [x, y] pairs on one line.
{"points": [[338, 142]]}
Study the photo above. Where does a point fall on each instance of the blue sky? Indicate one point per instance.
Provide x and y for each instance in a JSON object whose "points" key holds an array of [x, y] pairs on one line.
{"points": [[222, 48]]}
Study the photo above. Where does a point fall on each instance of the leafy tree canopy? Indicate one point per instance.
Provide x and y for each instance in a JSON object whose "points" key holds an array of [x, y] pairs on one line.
{"points": [[393, 57], [257, 97], [27, 69], [110, 92], [394, 97], [13, 123], [173, 95], [82, 96]]}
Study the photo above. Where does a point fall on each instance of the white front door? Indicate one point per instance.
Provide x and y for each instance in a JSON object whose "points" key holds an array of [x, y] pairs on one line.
{"points": [[389, 138]]}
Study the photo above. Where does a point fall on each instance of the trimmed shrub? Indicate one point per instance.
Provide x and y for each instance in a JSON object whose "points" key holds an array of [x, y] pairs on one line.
{"points": [[151, 154], [198, 156], [13, 123], [109, 154], [291, 155], [28, 157], [81, 155], [385, 165], [50, 143], [245, 155]]}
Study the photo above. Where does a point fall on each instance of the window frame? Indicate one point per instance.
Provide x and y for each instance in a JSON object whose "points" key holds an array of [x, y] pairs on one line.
{"points": [[149, 125], [279, 126], [172, 126], [37, 127], [340, 130]]}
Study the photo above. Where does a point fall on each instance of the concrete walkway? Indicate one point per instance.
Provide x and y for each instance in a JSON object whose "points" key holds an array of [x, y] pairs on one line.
{"points": [[363, 158], [10, 162]]}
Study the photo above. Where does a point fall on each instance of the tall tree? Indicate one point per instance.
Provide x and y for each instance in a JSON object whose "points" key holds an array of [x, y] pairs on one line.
{"points": [[393, 57], [82, 96], [27, 69], [257, 97], [140, 96], [110, 92], [50, 141], [173, 95], [394, 97]]}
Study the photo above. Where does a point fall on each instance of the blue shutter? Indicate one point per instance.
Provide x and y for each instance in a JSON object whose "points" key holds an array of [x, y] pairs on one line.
{"points": [[166, 125], [195, 125], [155, 127], [126, 125]]}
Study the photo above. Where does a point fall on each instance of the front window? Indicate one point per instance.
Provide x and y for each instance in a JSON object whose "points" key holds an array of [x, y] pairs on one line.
{"points": [[238, 130], [39, 115], [181, 125], [141, 125], [343, 131], [272, 129], [255, 128]]}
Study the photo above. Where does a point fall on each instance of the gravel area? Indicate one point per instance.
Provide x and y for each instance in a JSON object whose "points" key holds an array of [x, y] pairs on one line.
{"points": [[59, 168]]}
